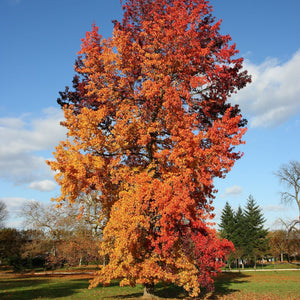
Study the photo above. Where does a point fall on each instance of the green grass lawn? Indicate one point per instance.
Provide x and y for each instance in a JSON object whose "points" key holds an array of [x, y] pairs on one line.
{"points": [[245, 285], [270, 266], [258, 285], [280, 266]]}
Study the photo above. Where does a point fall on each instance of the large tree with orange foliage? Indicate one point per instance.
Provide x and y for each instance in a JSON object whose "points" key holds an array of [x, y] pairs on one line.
{"points": [[149, 128]]}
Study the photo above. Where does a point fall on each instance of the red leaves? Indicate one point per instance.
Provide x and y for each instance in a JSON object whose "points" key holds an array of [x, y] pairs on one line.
{"points": [[150, 128]]}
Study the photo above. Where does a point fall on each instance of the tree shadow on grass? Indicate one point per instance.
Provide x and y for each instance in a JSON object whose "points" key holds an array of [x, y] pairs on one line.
{"points": [[114, 291], [170, 291], [29, 289], [128, 296], [8, 284], [163, 290]]}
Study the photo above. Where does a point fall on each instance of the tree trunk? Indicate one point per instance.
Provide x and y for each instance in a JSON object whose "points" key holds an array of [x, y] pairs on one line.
{"points": [[149, 291], [281, 257]]}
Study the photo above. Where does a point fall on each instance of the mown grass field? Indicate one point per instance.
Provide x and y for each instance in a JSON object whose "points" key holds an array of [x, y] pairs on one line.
{"points": [[245, 285]]}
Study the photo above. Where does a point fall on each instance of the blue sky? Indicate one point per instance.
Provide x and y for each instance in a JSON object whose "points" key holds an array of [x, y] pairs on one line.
{"points": [[39, 41]]}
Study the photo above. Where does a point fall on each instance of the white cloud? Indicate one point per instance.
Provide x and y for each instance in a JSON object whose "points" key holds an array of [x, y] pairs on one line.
{"points": [[233, 191], [26, 134], [274, 94], [43, 186], [274, 208], [25, 141]]}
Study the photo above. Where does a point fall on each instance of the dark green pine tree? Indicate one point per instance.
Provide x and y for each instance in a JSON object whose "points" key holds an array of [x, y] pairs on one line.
{"points": [[227, 222], [238, 235], [227, 227], [255, 236]]}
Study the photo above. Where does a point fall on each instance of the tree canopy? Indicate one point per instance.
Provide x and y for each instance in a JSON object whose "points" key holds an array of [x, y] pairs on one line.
{"points": [[150, 127]]}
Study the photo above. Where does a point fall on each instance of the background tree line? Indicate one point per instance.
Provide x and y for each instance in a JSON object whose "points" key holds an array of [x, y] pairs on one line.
{"points": [[55, 237]]}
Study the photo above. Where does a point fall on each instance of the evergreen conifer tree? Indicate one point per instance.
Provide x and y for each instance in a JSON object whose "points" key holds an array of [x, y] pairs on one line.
{"points": [[245, 229], [227, 227], [238, 234], [227, 222], [255, 236], [238, 231]]}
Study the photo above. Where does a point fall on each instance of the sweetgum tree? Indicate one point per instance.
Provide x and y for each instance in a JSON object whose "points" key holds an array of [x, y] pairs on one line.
{"points": [[149, 128]]}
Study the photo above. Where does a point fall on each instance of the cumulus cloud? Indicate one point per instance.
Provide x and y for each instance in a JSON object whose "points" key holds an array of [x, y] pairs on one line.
{"points": [[43, 186], [26, 142], [233, 191], [273, 96]]}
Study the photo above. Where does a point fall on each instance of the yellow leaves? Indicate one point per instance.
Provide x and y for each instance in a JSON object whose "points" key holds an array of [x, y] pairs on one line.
{"points": [[84, 126], [124, 282], [76, 171]]}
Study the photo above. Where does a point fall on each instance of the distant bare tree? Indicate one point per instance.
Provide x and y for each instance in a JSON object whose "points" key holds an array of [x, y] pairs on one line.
{"points": [[292, 237], [71, 232], [289, 175], [279, 243], [55, 222], [3, 213]]}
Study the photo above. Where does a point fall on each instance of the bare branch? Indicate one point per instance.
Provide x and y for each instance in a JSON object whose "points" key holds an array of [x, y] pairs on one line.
{"points": [[289, 175], [3, 213]]}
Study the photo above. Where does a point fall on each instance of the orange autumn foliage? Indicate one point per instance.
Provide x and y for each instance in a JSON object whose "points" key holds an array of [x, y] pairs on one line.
{"points": [[149, 128]]}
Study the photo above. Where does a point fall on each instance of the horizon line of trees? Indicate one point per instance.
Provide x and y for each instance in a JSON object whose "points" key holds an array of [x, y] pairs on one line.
{"points": [[55, 237]]}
